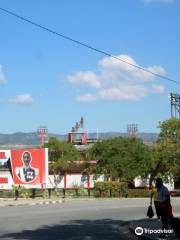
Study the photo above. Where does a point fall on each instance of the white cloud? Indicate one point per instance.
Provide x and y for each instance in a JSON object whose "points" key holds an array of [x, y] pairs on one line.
{"points": [[123, 93], [158, 89], [160, 1], [87, 98], [2, 76], [117, 80], [157, 70], [84, 79], [24, 99], [120, 71]]}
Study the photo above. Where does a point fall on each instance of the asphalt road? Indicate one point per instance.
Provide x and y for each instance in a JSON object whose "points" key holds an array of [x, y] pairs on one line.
{"points": [[75, 220]]}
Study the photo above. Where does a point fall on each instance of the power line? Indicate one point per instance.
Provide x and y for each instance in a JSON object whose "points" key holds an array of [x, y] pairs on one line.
{"points": [[86, 45]]}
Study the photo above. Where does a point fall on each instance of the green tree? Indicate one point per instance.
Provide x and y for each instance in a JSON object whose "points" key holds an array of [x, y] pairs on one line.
{"points": [[122, 158], [61, 155], [166, 153], [170, 129]]}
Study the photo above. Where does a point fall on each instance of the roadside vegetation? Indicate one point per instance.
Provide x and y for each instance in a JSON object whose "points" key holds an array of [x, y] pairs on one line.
{"points": [[121, 160]]}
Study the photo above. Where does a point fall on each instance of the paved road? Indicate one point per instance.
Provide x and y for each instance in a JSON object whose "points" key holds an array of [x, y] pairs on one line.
{"points": [[87, 220]]}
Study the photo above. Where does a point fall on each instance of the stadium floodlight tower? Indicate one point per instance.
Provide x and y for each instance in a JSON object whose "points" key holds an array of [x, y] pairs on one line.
{"points": [[42, 131], [175, 105], [132, 130], [76, 136], [82, 122]]}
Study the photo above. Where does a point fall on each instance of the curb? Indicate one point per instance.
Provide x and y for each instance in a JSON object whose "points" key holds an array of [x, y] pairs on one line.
{"points": [[32, 203], [46, 202]]}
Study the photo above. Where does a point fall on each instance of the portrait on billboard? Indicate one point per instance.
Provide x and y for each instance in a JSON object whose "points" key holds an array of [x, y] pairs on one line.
{"points": [[26, 173], [29, 166]]}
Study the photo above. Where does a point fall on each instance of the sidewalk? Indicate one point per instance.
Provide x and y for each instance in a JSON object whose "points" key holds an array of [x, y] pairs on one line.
{"points": [[150, 224]]}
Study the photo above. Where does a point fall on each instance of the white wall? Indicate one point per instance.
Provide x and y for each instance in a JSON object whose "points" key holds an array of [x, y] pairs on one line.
{"points": [[139, 182], [72, 181]]}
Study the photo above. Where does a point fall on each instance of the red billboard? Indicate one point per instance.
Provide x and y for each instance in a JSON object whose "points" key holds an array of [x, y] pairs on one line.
{"points": [[29, 166]]}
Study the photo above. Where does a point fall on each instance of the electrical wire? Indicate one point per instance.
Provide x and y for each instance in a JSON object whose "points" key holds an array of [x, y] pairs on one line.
{"points": [[86, 45]]}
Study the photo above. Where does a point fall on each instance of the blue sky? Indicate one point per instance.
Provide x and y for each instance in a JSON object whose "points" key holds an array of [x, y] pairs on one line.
{"points": [[47, 80]]}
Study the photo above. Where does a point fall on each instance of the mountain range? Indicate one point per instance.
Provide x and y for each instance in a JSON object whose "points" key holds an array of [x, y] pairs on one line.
{"points": [[21, 138]]}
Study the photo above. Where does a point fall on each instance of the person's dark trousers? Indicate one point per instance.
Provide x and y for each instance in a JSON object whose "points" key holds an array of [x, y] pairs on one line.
{"points": [[16, 194], [49, 192], [175, 224], [156, 204], [164, 217]]}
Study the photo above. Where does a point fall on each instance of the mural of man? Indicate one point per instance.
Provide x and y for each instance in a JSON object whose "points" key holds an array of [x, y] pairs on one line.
{"points": [[26, 173]]}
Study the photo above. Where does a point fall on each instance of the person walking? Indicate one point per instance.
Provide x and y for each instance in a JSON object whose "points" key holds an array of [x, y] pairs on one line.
{"points": [[16, 190], [154, 197], [164, 205]]}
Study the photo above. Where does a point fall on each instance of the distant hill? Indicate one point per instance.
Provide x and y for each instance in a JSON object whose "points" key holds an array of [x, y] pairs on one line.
{"points": [[21, 138]]}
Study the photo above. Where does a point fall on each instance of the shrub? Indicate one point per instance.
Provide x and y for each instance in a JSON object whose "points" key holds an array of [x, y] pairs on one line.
{"points": [[6, 193], [24, 193], [114, 188], [102, 188], [138, 193]]}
